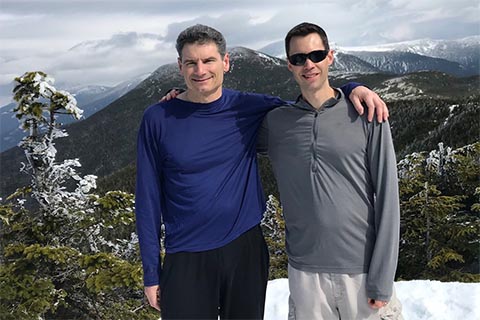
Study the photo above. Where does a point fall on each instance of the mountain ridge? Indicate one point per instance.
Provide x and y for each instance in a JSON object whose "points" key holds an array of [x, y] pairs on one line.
{"points": [[90, 99], [461, 57], [105, 142]]}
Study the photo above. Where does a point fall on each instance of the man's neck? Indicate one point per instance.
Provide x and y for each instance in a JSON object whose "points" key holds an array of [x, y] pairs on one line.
{"points": [[192, 96], [318, 97]]}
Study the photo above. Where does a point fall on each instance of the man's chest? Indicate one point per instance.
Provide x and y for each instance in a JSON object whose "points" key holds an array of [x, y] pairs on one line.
{"points": [[297, 139], [203, 142]]}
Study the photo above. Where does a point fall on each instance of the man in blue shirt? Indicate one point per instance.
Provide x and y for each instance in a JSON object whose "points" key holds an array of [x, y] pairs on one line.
{"points": [[197, 175]]}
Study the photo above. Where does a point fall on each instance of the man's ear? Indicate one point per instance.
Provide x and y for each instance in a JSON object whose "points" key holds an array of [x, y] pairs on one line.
{"points": [[330, 57], [179, 61], [289, 66], [226, 62]]}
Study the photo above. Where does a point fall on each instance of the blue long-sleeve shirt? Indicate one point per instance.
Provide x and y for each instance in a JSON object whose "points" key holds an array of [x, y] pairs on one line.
{"points": [[197, 174]]}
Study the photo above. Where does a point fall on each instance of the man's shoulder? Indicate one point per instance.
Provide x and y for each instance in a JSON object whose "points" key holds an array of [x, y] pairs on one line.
{"points": [[282, 112], [285, 107], [155, 108], [158, 110], [253, 96]]}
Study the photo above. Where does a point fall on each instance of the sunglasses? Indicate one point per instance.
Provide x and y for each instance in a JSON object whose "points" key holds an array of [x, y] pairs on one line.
{"points": [[299, 59]]}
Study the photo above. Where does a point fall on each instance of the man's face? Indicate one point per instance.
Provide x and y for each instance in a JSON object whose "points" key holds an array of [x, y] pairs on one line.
{"points": [[203, 67], [310, 76]]}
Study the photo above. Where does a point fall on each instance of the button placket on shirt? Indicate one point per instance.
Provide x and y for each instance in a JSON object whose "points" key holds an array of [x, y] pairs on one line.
{"points": [[315, 129]]}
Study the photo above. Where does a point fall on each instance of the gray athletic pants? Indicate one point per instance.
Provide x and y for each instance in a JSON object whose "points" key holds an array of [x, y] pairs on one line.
{"points": [[329, 296]]}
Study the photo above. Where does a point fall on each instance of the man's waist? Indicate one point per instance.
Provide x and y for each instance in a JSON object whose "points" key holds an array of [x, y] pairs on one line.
{"points": [[205, 239], [302, 265]]}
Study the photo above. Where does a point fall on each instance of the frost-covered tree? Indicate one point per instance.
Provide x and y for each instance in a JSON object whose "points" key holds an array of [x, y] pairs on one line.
{"points": [[273, 226], [440, 222], [66, 252]]}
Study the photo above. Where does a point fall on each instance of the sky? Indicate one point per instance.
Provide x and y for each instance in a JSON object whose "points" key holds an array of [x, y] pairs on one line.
{"points": [[105, 42], [420, 299]]}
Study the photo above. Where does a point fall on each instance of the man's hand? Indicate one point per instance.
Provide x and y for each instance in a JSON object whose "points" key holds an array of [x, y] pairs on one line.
{"points": [[372, 100], [153, 296], [170, 95], [376, 304]]}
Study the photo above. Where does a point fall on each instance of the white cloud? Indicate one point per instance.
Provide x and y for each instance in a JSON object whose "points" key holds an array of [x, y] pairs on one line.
{"points": [[134, 37], [399, 32], [106, 62]]}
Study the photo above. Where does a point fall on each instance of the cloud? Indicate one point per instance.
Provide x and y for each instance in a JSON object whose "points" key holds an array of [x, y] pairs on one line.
{"points": [[106, 62], [107, 41], [120, 57], [255, 29], [399, 33]]}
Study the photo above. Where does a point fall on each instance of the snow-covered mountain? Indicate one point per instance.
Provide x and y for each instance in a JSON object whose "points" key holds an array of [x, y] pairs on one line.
{"points": [[457, 57], [251, 71], [349, 63], [399, 62], [465, 51], [90, 99], [98, 98], [276, 49]]}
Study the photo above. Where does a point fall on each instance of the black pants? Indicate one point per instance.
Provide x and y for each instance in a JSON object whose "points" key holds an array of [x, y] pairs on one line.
{"points": [[230, 281]]}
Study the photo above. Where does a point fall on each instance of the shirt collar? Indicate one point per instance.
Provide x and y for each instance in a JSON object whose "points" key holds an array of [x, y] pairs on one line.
{"points": [[327, 104]]}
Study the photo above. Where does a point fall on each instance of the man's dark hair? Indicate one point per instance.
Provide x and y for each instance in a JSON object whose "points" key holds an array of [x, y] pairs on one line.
{"points": [[302, 30], [201, 34]]}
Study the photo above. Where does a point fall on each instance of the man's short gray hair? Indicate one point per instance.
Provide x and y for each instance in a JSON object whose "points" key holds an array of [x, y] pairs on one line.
{"points": [[201, 34]]}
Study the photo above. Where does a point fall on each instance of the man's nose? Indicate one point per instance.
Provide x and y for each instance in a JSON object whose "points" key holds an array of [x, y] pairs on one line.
{"points": [[200, 68], [308, 64]]}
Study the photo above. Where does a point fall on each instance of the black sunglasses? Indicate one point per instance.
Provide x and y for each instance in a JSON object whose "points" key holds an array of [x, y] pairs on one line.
{"points": [[299, 59]]}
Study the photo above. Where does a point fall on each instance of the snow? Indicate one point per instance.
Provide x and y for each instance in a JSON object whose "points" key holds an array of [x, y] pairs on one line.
{"points": [[399, 88], [453, 107], [451, 113], [70, 104], [45, 85], [421, 300], [418, 46], [264, 56]]}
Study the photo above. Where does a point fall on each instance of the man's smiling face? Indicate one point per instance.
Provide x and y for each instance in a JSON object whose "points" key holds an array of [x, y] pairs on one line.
{"points": [[310, 76], [203, 67]]}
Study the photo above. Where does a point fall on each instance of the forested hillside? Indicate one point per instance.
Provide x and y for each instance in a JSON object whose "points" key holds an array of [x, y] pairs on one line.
{"points": [[68, 244], [105, 142]]}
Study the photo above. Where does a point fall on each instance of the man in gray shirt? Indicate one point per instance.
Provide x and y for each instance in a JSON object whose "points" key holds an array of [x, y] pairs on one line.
{"points": [[337, 177]]}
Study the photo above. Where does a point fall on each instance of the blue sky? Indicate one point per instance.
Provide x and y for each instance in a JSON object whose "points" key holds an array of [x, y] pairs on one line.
{"points": [[104, 42]]}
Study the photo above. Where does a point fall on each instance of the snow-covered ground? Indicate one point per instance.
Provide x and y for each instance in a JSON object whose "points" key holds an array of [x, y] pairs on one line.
{"points": [[421, 300]]}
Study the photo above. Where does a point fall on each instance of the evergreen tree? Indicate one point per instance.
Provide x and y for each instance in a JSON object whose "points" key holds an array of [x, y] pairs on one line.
{"points": [[66, 253], [440, 226], [273, 226]]}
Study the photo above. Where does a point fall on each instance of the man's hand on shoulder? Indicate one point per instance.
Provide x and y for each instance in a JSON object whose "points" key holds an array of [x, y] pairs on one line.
{"points": [[171, 94], [374, 103]]}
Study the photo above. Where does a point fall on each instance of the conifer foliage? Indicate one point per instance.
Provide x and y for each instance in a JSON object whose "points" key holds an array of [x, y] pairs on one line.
{"points": [[439, 193], [66, 253], [273, 227]]}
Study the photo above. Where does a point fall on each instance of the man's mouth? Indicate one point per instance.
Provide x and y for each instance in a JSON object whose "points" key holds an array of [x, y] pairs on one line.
{"points": [[310, 75], [200, 80]]}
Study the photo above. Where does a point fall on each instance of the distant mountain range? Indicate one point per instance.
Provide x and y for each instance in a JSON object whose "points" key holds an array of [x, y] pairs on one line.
{"points": [[105, 141], [456, 57], [89, 98], [397, 62], [465, 51]]}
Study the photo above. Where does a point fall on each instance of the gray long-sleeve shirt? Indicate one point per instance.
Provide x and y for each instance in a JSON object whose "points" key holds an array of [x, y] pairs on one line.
{"points": [[337, 178]]}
